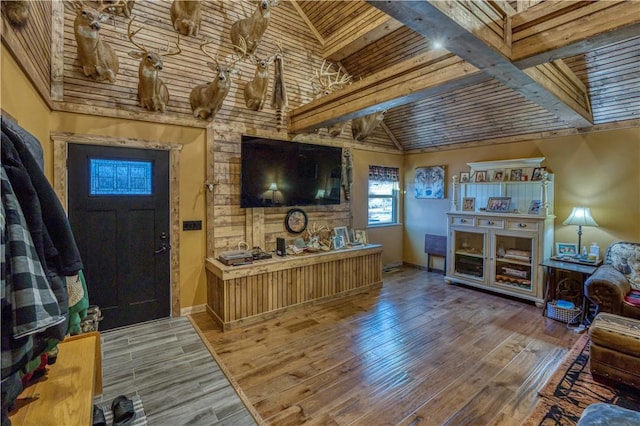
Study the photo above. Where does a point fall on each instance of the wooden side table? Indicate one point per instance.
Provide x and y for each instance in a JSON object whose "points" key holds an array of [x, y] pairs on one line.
{"points": [[553, 266]]}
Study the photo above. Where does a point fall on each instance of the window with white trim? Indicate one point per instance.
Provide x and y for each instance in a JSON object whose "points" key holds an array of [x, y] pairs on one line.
{"points": [[383, 195]]}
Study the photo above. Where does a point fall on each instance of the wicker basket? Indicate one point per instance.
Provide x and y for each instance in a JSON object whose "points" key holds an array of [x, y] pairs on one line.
{"points": [[567, 316]]}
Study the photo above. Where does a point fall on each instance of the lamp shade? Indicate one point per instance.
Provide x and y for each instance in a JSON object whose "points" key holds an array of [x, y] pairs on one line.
{"points": [[580, 216], [273, 187]]}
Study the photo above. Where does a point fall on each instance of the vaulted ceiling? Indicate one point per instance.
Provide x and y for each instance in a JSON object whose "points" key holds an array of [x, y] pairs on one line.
{"points": [[506, 71]]}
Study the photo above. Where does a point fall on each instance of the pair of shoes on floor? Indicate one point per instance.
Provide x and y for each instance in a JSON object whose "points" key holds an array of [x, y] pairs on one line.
{"points": [[122, 410]]}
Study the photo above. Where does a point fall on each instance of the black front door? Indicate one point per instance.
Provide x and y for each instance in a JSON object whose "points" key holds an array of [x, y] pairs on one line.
{"points": [[119, 213]]}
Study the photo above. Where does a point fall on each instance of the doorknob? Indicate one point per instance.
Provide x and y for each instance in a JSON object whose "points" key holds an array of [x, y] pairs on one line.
{"points": [[162, 249]]}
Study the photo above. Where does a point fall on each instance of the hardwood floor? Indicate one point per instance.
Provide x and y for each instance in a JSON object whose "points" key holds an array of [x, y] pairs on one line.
{"points": [[417, 351]]}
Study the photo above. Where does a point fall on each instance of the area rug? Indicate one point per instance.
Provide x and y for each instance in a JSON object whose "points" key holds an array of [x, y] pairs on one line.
{"points": [[572, 388], [140, 419]]}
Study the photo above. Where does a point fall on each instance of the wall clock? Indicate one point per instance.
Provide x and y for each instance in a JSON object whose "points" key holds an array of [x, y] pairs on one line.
{"points": [[296, 221]]}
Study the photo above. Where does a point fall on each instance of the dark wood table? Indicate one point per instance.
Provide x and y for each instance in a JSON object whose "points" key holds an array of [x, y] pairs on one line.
{"points": [[552, 266], [435, 245]]}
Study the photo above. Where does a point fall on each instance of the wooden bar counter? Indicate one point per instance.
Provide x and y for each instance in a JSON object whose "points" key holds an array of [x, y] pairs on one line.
{"points": [[245, 294]]}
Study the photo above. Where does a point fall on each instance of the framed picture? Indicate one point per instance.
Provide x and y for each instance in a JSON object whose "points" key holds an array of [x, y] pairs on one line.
{"points": [[464, 177], [516, 174], [498, 204], [469, 204], [537, 173], [338, 242], [498, 175], [341, 231], [429, 182], [360, 236], [566, 249], [481, 176], [534, 207]]}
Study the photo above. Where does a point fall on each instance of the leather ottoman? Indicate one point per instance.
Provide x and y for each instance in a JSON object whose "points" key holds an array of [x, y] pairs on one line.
{"points": [[615, 350]]}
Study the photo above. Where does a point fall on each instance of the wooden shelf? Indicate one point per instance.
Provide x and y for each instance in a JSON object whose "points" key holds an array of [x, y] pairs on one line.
{"points": [[66, 394]]}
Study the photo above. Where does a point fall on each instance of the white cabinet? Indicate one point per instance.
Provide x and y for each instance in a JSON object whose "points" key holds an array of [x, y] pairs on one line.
{"points": [[501, 251]]}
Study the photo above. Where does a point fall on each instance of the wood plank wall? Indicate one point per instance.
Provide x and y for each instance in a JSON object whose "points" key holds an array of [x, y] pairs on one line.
{"points": [[32, 45], [228, 224]]}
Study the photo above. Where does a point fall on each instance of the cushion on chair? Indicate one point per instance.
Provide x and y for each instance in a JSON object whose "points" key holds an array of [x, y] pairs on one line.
{"points": [[633, 298], [625, 257]]}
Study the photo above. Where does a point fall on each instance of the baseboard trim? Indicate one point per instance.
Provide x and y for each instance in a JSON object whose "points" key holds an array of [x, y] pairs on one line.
{"points": [[193, 310]]}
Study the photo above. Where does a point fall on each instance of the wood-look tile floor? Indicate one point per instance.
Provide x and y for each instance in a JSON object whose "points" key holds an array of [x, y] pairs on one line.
{"points": [[417, 351], [166, 363]]}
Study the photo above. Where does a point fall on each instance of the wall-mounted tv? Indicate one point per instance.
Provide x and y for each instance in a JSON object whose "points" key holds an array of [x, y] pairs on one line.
{"points": [[283, 173]]}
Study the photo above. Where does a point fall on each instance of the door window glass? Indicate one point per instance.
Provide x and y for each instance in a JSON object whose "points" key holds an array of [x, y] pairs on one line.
{"points": [[120, 177]]}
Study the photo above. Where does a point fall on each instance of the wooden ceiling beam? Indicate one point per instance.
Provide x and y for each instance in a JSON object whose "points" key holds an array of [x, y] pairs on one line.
{"points": [[424, 75], [355, 36], [553, 30], [464, 36]]}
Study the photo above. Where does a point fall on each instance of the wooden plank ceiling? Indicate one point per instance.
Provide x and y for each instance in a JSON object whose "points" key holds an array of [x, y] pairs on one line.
{"points": [[508, 70]]}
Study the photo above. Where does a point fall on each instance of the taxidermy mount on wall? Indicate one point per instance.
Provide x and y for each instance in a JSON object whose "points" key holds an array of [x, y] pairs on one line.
{"points": [[119, 7], [347, 173], [97, 58], [206, 99], [152, 92], [16, 12], [252, 28], [326, 81], [255, 91], [362, 127], [186, 16], [279, 99]]}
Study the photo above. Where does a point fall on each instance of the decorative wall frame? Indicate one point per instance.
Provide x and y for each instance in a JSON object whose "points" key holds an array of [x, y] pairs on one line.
{"points": [[430, 182]]}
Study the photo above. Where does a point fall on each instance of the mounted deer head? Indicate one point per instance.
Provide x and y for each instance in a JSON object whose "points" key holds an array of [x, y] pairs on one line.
{"points": [[206, 99], [16, 12], [252, 28], [152, 92], [186, 16], [97, 58], [255, 91], [118, 7], [326, 81], [279, 99], [362, 127]]}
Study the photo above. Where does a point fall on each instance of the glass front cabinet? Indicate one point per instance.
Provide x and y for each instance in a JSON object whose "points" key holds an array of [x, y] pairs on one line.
{"points": [[500, 251]]}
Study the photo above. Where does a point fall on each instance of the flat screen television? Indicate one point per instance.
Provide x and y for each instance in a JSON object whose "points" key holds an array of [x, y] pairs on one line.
{"points": [[283, 173]]}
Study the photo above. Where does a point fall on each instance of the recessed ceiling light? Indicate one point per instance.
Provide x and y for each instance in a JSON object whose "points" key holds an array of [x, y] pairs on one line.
{"points": [[437, 45]]}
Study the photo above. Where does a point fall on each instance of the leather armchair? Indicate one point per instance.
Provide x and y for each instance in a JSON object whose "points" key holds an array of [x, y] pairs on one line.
{"points": [[615, 286]]}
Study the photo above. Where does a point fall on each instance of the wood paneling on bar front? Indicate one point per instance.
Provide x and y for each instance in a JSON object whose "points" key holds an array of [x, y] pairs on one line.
{"points": [[244, 294]]}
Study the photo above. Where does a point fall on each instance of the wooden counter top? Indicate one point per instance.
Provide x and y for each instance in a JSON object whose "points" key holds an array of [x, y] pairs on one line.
{"points": [[277, 263], [66, 395]]}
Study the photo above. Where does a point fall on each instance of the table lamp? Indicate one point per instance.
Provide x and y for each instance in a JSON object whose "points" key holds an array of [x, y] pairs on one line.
{"points": [[273, 188], [580, 216]]}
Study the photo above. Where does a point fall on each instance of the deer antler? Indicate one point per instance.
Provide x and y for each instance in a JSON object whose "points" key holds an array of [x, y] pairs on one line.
{"points": [[132, 34], [177, 52], [243, 50], [329, 80], [204, 43]]}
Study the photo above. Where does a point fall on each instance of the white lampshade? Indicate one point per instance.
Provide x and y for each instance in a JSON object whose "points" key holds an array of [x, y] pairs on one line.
{"points": [[580, 216], [273, 187]]}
